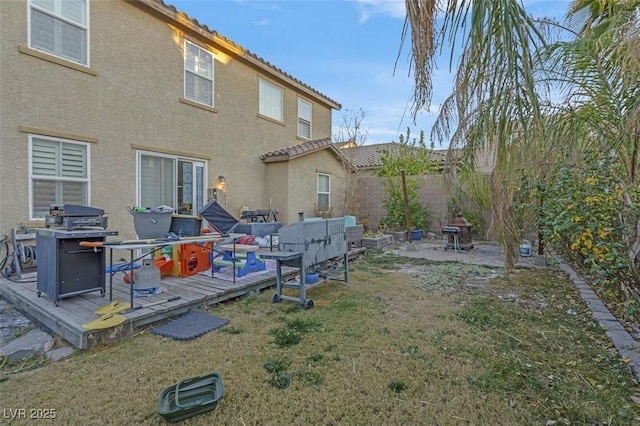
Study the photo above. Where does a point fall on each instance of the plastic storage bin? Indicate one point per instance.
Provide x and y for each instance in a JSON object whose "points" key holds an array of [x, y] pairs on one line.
{"points": [[150, 224], [349, 221], [185, 225], [190, 397]]}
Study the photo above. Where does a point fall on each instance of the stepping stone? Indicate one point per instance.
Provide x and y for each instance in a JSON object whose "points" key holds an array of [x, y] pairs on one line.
{"points": [[58, 354], [35, 342]]}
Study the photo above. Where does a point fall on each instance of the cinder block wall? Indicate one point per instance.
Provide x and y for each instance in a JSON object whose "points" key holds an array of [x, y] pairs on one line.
{"points": [[432, 193]]}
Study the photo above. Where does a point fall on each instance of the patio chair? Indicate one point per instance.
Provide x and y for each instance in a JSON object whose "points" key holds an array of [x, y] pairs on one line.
{"points": [[219, 218]]}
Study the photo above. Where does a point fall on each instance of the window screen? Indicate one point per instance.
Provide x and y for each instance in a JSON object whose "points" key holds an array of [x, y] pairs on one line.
{"points": [[324, 190], [304, 119], [157, 181], [60, 27], [198, 74], [270, 100]]}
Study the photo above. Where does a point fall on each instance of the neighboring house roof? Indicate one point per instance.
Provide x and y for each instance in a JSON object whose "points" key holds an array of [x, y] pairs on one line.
{"points": [[182, 19], [370, 156], [305, 148]]}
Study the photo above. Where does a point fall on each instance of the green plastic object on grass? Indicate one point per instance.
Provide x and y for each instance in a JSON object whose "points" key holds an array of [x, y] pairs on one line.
{"points": [[190, 397]]}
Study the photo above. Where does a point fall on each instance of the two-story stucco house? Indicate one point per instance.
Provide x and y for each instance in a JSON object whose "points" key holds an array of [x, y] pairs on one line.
{"points": [[118, 103]]}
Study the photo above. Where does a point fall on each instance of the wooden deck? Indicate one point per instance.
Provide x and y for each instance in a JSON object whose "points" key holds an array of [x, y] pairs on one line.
{"points": [[65, 320]]}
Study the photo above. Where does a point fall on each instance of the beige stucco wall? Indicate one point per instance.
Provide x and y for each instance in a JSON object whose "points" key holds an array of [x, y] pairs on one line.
{"points": [[301, 192], [135, 100], [277, 189]]}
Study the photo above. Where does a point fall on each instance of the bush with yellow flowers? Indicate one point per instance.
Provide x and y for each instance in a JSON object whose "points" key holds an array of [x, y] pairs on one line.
{"points": [[583, 218]]}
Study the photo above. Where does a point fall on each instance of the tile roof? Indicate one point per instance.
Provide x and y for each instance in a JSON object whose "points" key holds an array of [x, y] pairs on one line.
{"points": [[291, 152], [179, 16], [370, 156]]}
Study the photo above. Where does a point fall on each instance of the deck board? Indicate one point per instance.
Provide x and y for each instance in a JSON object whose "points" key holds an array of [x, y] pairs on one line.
{"points": [[196, 292], [66, 319]]}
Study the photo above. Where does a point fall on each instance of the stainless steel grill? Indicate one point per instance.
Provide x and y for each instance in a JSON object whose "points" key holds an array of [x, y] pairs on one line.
{"points": [[310, 245], [317, 240]]}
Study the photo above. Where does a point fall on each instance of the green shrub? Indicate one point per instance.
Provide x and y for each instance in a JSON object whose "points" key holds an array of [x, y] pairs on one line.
{"points": [[280, 381], [397, 386], [274, 366], [394, 219], [583, 218]]}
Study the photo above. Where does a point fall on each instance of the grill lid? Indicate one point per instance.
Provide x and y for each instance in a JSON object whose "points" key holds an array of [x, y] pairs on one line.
{"points": [[74, 210]]}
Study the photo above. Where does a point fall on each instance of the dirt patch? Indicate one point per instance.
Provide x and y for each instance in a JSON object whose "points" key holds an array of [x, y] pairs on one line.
{"points": [[448, 277]]}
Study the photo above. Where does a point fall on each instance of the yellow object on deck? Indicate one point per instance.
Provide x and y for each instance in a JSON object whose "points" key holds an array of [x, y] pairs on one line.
{"points": [[113, 308], [105, 321]]}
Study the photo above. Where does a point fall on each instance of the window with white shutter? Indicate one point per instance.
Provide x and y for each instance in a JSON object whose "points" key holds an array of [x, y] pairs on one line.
{"points": [[324, 191], [59, 173], [198, 74], [270, 100], [61, 28], [304, 119]]}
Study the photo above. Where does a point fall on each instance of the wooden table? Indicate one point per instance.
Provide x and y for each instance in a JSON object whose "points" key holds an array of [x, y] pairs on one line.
{"points": [[243, 248]]}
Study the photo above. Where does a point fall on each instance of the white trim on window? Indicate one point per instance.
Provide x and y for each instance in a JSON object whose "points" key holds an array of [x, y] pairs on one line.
{"points": [[198, 74], [60, 28], [62, 166], [163, 180], [305, 113], [168, 163], [270, 100], [324, 191]]}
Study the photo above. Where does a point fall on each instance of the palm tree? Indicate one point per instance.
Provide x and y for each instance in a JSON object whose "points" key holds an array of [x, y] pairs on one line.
{"points": [[532, 101], [495, 105]]}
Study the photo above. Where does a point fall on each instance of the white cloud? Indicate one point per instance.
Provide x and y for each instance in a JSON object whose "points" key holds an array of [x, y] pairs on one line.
{"points": [[263, 22], [392, 8]]}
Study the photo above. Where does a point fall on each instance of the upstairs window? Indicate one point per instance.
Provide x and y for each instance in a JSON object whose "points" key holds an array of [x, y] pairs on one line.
{"points": [[61, 28], [198, 74], [304, 119], [270, 100], [324, 192], [59, 173]]}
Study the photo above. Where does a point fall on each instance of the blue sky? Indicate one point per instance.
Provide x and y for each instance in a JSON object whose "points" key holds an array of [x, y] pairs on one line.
{"points": [[346, 49]]}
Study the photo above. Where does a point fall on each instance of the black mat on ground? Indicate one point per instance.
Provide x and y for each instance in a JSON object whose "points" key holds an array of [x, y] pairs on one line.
{"points": [[190, 326]]}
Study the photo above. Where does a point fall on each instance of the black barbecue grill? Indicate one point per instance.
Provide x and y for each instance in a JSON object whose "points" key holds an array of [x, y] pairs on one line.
{"points": [[65, 268], [72, 216]]}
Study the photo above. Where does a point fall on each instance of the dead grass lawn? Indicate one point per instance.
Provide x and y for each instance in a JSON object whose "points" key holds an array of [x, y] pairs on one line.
{"points": [[440, 344]]}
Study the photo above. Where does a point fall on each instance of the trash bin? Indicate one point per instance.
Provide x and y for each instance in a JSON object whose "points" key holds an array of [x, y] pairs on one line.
{"points": [[186, 226], [151, 224]]}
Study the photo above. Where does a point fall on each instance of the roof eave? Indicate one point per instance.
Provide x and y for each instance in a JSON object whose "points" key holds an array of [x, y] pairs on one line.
{"points": [[159, 9], [276, 158]]}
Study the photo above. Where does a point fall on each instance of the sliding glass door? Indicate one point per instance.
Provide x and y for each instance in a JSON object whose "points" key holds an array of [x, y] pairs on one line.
{"points": [[166, 180]]}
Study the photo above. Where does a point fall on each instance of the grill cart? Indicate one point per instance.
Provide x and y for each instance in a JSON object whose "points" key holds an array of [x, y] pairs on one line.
{"points": [[318, 247]]}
